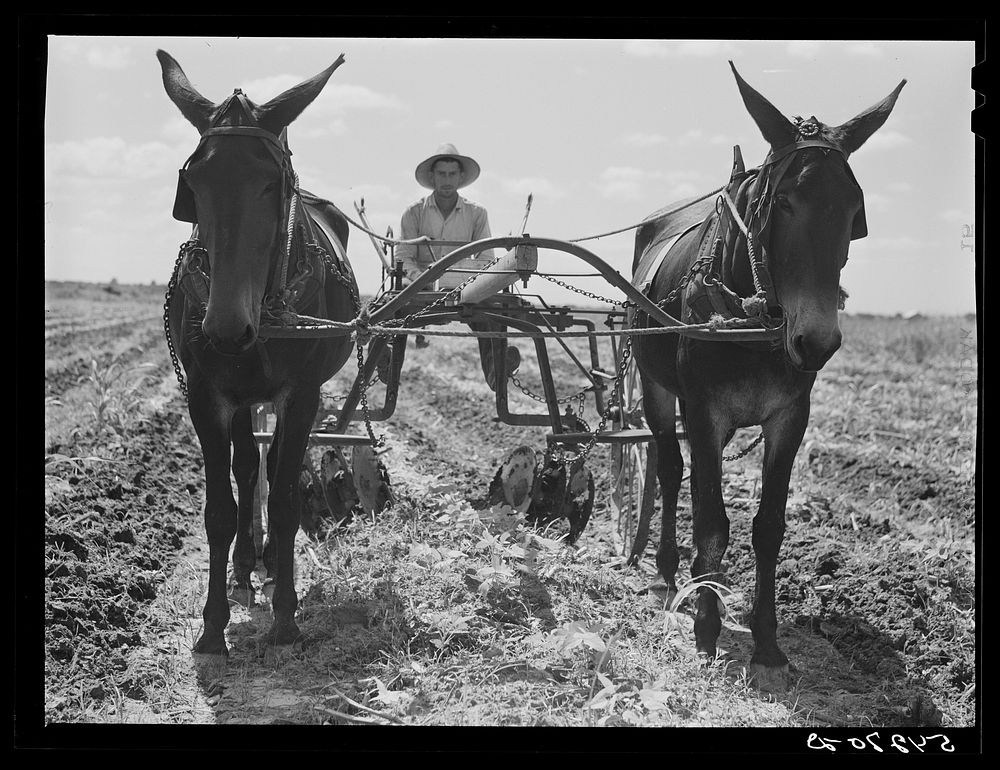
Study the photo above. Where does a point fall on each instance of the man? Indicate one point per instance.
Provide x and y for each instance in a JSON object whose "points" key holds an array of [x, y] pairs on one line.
{"points": [[446, 215]]}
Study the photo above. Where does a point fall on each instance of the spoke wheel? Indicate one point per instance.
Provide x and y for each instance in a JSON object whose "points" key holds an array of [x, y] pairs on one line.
{"points": [[633, 474]]}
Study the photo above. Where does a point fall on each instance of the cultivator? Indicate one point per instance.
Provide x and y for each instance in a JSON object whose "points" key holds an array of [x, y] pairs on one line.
{"points": [[552, 482]]}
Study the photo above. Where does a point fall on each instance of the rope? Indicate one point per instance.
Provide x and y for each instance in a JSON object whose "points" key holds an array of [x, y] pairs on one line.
{"points": [[746, 233], [364, 330], [423, 240], [653, 219], [293, 203]]}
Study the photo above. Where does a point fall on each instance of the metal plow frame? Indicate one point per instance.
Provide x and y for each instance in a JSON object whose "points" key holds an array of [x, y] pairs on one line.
{"points": [[417, 306]]}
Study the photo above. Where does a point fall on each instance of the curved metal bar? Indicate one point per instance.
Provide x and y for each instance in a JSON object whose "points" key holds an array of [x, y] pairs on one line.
{"points": [[611, 275], [435, 271]]}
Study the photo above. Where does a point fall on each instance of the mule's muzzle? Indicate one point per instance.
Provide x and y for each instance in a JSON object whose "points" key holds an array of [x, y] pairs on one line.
{"points": [[810, 352], [232, 343]]}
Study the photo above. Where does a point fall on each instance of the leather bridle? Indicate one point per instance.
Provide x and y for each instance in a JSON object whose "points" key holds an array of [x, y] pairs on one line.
{"points": [[184, 208], [755, 222]]}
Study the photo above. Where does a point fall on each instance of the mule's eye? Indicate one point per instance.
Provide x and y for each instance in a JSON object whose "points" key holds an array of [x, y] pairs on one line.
{"points": [[783, 203]]}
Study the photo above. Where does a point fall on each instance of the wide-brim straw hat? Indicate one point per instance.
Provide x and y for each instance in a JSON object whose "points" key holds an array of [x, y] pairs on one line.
{"points": [[425, 177]]}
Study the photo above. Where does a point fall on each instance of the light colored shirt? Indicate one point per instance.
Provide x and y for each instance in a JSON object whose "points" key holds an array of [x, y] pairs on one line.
{"points": [[467, 222]]}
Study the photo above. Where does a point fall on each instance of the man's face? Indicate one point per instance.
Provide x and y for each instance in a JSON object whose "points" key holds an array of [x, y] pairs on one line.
{"points": [[447, 176]]}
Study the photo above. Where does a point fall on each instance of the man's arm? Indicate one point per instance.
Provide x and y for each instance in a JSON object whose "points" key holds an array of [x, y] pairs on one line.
{"points": [[409, 227], [480, 230]]}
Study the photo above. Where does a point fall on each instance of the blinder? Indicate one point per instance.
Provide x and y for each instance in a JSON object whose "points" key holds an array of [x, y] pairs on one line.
{"points": [[184, 210], [859, 227]]}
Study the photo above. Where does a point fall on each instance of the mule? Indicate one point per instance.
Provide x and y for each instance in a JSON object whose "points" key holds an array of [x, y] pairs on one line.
{"points": [[800, 210], [259, 250]]}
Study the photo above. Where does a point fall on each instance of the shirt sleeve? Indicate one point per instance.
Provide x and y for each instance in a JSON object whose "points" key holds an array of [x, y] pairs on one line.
{"points": [[409, 227], [481, 230]]}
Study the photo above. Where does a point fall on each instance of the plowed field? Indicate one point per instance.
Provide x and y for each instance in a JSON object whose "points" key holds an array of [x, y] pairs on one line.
{"points": [[443, 611]]}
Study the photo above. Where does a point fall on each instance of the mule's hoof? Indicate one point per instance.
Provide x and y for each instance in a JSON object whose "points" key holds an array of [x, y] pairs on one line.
{"points": [[211, 645], [772, 679], [286, 635], [245, 597]]}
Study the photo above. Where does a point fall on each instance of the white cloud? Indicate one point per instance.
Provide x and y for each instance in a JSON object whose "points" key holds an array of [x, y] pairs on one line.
{"points": [[705, 48], [897, 243], [178, 129], [538, 186], [262, 90], [688, 138], [697, 136], [104, 55], [343, 97], [866, 48], [335, 98], [108, 158], [887, 140], [631, 183], [645, 49], [621, 182], [335, 127], [640, 139], [900, 187], [803, 48], [111, 57], [878, 202], [957, 216], [662, 49]]}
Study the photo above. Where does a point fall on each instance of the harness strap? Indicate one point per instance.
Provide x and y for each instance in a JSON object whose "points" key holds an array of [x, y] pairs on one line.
{"points": [[254, 131], [776, 155]]}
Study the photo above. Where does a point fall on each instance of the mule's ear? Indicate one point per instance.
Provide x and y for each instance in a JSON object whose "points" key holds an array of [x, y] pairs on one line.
{"points": [[856, 131], [193, 106], [286, 107], [776, 128]]}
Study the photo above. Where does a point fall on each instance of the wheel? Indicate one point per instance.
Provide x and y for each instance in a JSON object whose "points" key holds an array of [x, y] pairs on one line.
{"points": [[329, 496], [371, 480], [633, 474], [514, 479]]}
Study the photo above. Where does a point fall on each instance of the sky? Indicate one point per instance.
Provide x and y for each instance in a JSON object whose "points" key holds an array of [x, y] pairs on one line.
{"points": [[601, 133]]}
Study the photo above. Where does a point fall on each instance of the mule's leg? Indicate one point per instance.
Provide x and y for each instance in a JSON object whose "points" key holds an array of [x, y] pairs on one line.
{"points": [[246, 464], [659, 406], [783, 435], [272, 461], [295, 418], [212, 423], [710, 523]]}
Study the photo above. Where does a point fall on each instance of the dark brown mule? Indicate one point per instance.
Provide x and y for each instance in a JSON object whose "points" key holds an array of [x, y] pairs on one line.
{"points": [[258, 248], [802, 208]]}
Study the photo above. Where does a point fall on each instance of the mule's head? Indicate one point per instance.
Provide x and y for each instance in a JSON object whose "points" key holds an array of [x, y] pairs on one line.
{"points": [[240, 182], [812, 209]]}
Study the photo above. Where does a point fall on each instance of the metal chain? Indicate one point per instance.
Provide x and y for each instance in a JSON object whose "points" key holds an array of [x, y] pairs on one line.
{"points": [[541, 399], [685, 280], [585, 293], [186, 248], [375, 442], [580, 457], [745, 452]]}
